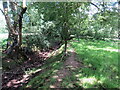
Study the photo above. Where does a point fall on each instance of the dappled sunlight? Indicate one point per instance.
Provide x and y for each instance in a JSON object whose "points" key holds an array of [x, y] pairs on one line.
{"points": [[52, 86], [102, 79], [51, 67], [71, 67], [55, 71], [55, 76], [78, 75], [87, 82], [33, 71], [55, 63], [90, 80], [59, 44], [29, 72], [100, 59], [16, 82], [59, 80], [80, 44], [71, 50], [56, 52], [105, 49]]}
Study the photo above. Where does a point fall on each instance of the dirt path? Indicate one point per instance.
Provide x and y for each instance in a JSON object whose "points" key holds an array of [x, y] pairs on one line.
{"points": [[69, 65]]}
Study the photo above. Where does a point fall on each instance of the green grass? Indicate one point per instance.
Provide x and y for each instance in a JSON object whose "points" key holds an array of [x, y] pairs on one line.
{"points": [[100, 66], [100, 59]]}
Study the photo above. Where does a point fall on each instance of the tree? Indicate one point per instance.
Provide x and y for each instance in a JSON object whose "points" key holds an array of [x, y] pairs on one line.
{"points": [[60, 16], [14, 25]]}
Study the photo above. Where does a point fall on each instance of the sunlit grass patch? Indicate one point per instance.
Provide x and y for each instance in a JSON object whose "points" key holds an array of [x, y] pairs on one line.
{"points": [[105, 49], [88, 82], [101, 59]]}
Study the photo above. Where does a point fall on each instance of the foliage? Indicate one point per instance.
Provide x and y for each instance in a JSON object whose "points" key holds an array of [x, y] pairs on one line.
{"points": [[48, 26]]}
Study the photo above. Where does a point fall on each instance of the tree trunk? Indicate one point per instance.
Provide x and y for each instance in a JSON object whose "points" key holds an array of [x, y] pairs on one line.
{"points": [[20, 25], [65, 46], [65, 27], [15, 30]]}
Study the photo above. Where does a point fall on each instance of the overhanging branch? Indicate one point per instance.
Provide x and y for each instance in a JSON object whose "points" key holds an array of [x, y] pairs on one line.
{"points": [[95, 5]]}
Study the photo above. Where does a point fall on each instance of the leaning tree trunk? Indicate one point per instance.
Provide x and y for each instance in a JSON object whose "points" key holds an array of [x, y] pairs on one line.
{"points": [[11, 31], [15, 30]]}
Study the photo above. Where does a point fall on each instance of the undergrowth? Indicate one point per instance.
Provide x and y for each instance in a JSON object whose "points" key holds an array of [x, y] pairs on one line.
{"points": [[45, 79]]}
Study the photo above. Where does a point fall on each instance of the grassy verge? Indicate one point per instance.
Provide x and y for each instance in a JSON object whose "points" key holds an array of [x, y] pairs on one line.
{"points": [[100, 59]]}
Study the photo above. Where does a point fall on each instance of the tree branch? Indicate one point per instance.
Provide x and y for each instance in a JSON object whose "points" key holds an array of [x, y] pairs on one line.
{"points": [[2, 11], [15, 3], [95, 5]]}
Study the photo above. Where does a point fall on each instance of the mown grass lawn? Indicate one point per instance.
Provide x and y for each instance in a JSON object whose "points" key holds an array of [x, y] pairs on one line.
{"points": [[100, 59]]}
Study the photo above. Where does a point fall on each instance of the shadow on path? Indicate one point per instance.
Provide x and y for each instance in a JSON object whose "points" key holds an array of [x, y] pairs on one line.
{"points": [[16, 77], [70, 64]]}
